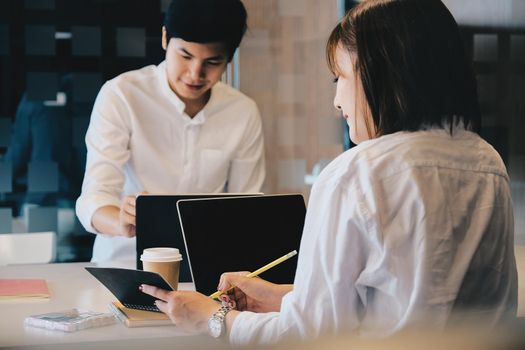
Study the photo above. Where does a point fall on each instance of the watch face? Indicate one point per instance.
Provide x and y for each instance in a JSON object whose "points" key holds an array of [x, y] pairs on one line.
{"points": [[215, 327]]}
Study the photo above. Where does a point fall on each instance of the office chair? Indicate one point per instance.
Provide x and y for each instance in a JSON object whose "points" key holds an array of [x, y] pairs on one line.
{"points": [[27, 248]]}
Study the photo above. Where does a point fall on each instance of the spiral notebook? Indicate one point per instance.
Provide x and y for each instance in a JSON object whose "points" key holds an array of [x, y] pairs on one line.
{"points": [[124, 285], [138, 318]]}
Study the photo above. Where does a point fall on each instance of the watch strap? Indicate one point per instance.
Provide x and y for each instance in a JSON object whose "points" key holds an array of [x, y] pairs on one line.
{"points": [[217, 319], [221, 313]]}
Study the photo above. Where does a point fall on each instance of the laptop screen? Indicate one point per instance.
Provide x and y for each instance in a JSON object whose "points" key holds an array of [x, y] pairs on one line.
{"points": [[241, 234], [158, 225]]}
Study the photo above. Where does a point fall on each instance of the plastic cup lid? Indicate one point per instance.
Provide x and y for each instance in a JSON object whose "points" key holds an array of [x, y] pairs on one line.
{"points": [[161, 254]]}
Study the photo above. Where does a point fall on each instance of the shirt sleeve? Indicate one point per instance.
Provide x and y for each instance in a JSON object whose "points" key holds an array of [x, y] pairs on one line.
{"points": [[247, 170], [325, 297], [107, 142]]}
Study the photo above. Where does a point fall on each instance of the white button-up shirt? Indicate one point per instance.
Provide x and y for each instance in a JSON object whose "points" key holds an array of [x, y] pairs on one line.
{"points": [[140, 139], [409, 229]]}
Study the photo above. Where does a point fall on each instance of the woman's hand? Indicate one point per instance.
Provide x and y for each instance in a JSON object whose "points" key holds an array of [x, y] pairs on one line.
{"points": [[188, 310], [254, 294]]}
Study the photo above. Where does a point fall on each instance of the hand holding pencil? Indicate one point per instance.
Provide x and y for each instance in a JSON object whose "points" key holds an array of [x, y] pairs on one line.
{"points": [[259, 271], [255, 294], [188, 309]]}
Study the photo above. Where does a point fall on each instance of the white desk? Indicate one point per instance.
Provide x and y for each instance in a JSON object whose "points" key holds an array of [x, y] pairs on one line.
{"points": [[71, 286]]}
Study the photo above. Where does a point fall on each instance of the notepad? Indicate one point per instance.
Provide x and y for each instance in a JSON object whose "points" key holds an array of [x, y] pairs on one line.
{"points": [[138, 318], [23, 288]]}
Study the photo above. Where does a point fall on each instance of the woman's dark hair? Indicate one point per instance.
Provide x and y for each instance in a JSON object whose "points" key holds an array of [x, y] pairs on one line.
{"points": [[207, 21], [412, 64]]}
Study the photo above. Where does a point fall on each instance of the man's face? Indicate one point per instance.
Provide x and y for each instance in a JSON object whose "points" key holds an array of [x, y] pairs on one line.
{"points": [[193, 68]]}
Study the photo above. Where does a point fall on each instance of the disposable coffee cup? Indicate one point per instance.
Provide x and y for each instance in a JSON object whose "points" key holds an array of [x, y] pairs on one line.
{"points": [[165, 262]]}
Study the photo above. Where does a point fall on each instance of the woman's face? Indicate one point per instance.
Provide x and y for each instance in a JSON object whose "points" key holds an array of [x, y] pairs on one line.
{"points": [[350, 99]]}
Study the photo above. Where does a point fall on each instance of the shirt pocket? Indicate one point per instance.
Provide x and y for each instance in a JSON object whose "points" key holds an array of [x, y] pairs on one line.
{"points": [[213, 170]]}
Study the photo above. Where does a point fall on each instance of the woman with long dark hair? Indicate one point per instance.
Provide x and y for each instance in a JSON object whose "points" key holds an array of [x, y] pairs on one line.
{"points": [[413, 227]]}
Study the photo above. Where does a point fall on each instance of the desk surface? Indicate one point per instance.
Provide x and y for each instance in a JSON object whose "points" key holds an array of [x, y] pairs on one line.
{"points": [[70, 286]]}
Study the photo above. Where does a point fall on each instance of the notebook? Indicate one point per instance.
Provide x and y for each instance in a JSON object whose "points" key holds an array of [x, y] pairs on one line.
{"points": [[157, 225], [241, 234], [23, 288], [124, 284], [139, 318]]}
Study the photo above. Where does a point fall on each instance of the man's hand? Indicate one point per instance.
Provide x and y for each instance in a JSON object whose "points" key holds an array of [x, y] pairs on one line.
{"points": [[127, 216], [112, 220]]}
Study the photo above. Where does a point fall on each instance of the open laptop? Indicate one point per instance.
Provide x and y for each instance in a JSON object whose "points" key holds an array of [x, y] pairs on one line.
{"points": [[157, 225], [241, 234]]}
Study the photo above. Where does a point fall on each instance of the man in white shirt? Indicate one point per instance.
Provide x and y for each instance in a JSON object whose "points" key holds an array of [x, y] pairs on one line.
{"points": [[171, 128]]}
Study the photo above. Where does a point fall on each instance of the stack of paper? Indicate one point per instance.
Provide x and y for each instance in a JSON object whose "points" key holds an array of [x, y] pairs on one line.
{"points": [[23, 288]]}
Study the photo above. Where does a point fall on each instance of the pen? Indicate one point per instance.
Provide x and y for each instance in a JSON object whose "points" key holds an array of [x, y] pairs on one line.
{"points": [[259, 271]]}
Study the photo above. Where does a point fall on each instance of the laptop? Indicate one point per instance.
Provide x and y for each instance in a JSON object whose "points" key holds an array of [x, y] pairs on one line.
{"points": [[241, 234], [157, 225]]}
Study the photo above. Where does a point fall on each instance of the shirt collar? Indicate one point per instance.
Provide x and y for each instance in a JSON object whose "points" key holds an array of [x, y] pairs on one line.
{"points": [[172, 97], [210, 105]]}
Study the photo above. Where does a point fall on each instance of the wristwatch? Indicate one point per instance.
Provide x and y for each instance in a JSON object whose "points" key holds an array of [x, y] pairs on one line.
{"points": [[216, 326]]}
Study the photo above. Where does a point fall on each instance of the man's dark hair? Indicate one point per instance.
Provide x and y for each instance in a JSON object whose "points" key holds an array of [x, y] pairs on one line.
{"points": [[412, 64], [207, 21]]}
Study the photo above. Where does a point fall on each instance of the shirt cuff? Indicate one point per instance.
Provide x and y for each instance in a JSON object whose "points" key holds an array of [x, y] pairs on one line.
{"points": [[249, 328], [87, 205]]}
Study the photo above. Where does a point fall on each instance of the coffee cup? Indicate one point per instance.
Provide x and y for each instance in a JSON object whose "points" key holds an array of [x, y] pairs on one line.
{"points": [[165, 262]]}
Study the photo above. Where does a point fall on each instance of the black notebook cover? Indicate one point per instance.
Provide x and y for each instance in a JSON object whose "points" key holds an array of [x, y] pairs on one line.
{"points": [[124, 284]]}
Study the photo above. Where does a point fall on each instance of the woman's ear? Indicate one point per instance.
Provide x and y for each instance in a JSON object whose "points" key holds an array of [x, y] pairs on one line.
{"points": [[164, 38]]}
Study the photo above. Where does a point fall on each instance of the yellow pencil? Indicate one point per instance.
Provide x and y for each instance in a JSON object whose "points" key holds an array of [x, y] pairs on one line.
{"points": [[259, 271]]}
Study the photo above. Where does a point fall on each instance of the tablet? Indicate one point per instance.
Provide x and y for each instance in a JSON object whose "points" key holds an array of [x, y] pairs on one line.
{"points": [[157, 224], [241, 234]]}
